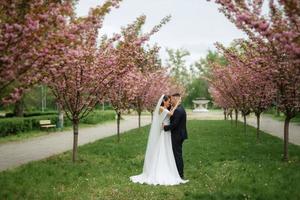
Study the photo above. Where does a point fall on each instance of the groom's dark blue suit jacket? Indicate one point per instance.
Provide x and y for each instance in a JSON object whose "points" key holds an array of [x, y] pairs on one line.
{"points": [[178, 124]]}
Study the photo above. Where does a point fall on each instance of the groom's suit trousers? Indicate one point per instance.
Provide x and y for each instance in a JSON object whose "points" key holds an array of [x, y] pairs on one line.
{"points": [[177, 151]]}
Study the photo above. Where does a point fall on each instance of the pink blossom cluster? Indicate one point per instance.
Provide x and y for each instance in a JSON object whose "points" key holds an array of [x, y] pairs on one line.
{"points": [[25, 39]]}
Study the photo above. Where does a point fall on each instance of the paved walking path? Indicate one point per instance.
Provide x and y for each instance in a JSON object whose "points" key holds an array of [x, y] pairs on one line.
{"points": [[13, 154]]}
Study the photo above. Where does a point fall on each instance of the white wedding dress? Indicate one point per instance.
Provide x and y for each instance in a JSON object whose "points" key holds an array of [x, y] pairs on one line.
{"points": [[159, 164]]}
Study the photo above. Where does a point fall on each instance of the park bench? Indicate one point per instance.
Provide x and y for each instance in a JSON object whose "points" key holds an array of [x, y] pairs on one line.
{"points": [[46, 124]]}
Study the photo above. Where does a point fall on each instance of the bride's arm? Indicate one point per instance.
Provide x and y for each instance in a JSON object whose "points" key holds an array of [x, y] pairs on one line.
{"points": [[161, 109], [173, 109]]}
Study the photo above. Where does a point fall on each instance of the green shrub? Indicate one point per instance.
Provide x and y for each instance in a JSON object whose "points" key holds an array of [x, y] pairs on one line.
{"points": [[98, 116], [32, 114], [95, 117], [14, 125], [272, 110], [9, 126]]}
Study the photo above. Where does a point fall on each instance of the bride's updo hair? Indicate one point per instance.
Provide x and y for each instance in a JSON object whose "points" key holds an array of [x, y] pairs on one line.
{"points": [[165, 98]]}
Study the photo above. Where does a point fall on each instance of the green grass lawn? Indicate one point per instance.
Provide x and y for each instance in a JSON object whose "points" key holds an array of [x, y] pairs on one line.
{"points": [[221, 163]]}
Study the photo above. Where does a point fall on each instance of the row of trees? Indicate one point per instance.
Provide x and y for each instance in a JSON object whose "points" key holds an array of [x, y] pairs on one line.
{"points": [[44, 42], [264, 69]]}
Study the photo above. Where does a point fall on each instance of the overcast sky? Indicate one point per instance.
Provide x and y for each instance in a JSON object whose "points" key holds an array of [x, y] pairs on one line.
{"points": [[195, 25]]}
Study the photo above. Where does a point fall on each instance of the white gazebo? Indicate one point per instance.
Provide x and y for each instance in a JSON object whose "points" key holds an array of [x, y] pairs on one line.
{"points": [[200, 105]]}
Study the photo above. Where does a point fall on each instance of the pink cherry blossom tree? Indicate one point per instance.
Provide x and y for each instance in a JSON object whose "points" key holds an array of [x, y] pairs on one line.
{"points": [[222, 88], [158, 86], [79, 71], [122, 92], [145, 60], [261, 89], [277, 32], [131, 53], [24, 25]]}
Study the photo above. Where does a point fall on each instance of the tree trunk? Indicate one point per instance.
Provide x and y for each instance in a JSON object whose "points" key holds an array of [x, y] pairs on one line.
{"points": [[277, 100], [225, 114], [61, 119], [236, 117], [286, 138], [75, 139], [151, 116], [230, 114], [19, 108], [257, 126], [118, 125], [245, 123], [139, 113]]}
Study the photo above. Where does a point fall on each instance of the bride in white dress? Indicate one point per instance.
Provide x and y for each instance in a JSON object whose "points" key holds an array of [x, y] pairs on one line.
{"points": [[159, 164]]}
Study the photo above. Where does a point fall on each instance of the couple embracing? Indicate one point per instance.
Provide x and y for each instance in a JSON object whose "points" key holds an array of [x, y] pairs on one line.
{"points": [[163, 164]]}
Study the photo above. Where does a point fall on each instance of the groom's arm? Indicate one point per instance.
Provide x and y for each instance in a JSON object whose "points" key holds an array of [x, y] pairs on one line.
{"points": [[174, 124]]}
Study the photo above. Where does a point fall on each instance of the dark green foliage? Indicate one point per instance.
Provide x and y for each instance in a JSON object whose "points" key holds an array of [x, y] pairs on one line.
{"points": [[197, 88], [98, 116], [16, 125], [35, 113]]}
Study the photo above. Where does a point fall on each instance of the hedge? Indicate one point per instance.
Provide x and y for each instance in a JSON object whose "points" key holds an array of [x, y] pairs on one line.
{"points": [[94, 117], [97, 116], [10, 126], [14, 125]]}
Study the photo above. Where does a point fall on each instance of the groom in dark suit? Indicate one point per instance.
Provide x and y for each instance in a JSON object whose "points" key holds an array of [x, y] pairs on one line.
{"points": [[178, 132]]}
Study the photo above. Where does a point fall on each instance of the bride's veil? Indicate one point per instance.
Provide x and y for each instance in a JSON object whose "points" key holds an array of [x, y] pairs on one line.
{"points": [[153, 137]]}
